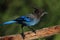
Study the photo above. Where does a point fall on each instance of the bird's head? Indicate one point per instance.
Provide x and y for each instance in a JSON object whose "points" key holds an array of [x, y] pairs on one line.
{"points": [[39, 12]]}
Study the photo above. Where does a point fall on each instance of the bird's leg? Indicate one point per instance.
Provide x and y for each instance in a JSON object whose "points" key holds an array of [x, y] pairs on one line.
{"points": [[22, 32], [33, 30]]}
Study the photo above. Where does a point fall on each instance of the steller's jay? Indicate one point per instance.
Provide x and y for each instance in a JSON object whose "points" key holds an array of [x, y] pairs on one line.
{"points": [[29, 19]]}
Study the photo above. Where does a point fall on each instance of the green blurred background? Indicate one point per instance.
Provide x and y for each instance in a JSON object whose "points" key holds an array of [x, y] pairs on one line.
{"points": [[11, 9]]}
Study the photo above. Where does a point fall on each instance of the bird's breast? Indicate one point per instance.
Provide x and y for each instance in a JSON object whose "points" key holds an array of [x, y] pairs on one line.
{"points": [[32, 23]]}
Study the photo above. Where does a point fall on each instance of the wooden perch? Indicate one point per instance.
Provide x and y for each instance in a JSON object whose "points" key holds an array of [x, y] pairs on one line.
{"points": [[45, 32]]}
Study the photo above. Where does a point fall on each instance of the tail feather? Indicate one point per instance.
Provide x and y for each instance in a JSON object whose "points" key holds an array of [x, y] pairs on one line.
{"points": [[9, 22]]}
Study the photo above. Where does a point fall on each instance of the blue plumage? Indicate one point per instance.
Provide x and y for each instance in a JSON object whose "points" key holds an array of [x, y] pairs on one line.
{"points": [[28, 20], [9, 22]]}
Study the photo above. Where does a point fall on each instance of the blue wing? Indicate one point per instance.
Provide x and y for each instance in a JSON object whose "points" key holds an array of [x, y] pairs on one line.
{"points": [[9, 22]]}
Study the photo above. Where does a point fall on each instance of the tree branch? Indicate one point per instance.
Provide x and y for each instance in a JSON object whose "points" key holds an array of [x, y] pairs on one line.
{"points": [[45, 32]]}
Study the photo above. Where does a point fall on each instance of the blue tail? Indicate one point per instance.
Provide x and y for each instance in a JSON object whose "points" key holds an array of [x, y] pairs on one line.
{"points": [[9, 22]]}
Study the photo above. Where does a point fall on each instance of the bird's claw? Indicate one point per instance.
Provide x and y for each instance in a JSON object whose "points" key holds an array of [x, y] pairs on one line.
{"points": [[34, 31], [23, 35]]}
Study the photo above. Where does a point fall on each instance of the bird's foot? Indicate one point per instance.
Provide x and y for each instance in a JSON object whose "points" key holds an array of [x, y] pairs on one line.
{"points": [[23, 35], [34, 31]]}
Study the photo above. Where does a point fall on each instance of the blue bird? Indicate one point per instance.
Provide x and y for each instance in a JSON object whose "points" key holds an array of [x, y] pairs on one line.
{"points": [[28, 20]]}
